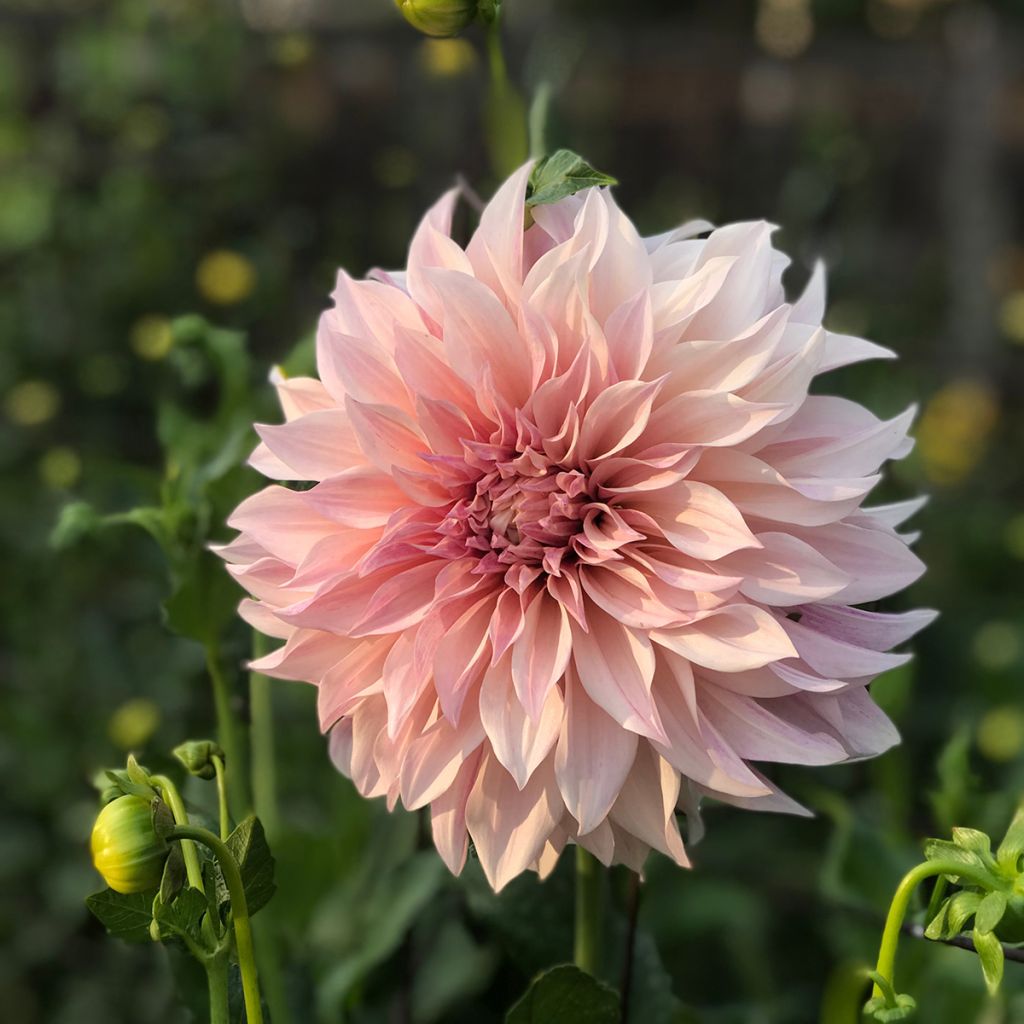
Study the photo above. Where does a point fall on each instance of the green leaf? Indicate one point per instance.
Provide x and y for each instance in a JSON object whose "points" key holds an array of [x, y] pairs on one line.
{"points": [[203, 601], [974, 841], [990, 953], [567, 995], [125, 915], [248, 845], [183, 917], [990, 911], [943, 850], [562, 174], [174, 874], [1012, 847]]}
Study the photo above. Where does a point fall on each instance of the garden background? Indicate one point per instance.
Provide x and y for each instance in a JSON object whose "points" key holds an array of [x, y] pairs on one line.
{"points": [[223, 158]]}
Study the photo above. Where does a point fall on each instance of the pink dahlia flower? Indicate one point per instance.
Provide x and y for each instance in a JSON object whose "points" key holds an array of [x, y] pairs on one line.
{"points": [[580, 547]]}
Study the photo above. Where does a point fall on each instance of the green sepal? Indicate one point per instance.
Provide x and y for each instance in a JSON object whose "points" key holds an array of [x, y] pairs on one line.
{"points": [[990, 953], [944, 850], [121, 785], [1011, 848], [562, 174], [990, 911], [565, 993], [163, 819], [953, 915], [974, 841], [878, 1009], [125, 916], [173, 878], [248, 845]]}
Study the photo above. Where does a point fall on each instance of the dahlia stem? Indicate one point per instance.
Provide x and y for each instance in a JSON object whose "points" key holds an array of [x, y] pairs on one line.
{"points": [[589, 912], [505, 115], [217, 988], [239, 915], [228, 733], [222, 797], [172, 798], [263, 761], [886, 965], [261, 733]]}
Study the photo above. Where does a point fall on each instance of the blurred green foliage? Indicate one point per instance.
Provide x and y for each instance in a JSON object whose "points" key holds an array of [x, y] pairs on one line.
{"points": [[176, 156]]}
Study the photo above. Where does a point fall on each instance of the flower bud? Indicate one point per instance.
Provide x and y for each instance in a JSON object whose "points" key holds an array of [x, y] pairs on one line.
{"points": [[126, 849], [197, 756], [440, 18]]}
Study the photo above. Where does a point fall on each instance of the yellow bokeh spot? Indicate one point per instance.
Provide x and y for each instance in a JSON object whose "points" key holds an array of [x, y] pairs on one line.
{"points": [[447, 58], [60, 467], [1011, 316], [225, 277], [997, 645], [395, 167], [152, 337], [32, 402], [784, 28], [1014, 535], [291, 50], [954, 430], [1001, 733], [133, 723]]}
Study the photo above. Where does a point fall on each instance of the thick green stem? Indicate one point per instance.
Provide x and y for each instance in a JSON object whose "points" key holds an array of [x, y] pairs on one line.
{"points": [[228, 733], [188, 850], [589, 912], [239, 916], [886, 965], [507, 138], [261, 735], [222, 797], [217, 986]]}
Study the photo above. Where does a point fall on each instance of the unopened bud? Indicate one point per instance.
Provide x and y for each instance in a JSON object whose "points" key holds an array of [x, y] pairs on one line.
{"points": [[126, 849], [440, 18]]}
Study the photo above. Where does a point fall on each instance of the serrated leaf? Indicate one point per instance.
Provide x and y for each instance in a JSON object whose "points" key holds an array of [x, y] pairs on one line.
{"points": [[562, 174], [990, 953], [248, 845], [183, 916], [990, 911], [567, 995], [125, 915]]}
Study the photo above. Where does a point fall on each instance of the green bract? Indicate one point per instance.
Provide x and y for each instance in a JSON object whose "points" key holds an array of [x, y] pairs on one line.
{"points": [[126, 849], [439, 18]]}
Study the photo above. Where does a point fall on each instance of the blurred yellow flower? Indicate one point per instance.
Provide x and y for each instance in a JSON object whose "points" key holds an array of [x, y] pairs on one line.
{"points": [[1001, 733], [997, 645], [225, 277], [31, 402], [133, 723], [60, 467], [954, 430], [1011, 316], [447, 58], [152, 337]]}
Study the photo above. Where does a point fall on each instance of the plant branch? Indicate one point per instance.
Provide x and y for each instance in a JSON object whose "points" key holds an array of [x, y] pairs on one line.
{"points": [[916, 931]]}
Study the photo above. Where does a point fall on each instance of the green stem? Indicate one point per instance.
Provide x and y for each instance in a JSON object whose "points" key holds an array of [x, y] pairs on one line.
{"points": [[228, 733], [239, 915], [589, 911], [217, 986], [261, 732], [188, 850], [505, 113], [222, 797], [886, 965]]}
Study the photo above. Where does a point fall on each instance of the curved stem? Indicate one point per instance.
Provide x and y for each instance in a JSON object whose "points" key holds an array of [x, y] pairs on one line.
{"points": [[589, 900], [222, 797], [228, 734], [188, 850], [886, 965], [239, 915]]}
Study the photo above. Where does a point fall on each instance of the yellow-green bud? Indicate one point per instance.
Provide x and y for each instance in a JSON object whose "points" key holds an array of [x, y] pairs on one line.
{"points": [[126, 849], [440, 18]]}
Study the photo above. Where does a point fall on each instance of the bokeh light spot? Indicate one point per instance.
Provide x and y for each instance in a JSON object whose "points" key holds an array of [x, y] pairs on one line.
{"points": [[1011, 316], [132, 724], [1001, 733], [32, 402], [997, 645], [225, 277], [152, 337], [955, 428], [60, 467], [447, 58]]}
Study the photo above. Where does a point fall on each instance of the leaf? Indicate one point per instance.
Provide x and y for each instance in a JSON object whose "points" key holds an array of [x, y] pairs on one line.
{"points": [[562, 174], [990, 912], [567, 995], [183, 917], [943, 850], [974, 841], [174, 875], [990, 953], [248, 845], [203, 601], [952, 916], [125, 915]]}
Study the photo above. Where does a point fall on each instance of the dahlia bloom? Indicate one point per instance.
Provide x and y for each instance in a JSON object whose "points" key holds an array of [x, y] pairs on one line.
{"points": [[580, 547]]}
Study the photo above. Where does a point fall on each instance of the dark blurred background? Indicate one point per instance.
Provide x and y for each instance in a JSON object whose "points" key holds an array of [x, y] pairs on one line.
{"points": [[175, 156]]}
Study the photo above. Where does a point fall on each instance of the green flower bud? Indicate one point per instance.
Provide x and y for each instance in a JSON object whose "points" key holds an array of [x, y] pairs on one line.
{"points": [[126, 849], [197, 756], [441, 18]]}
